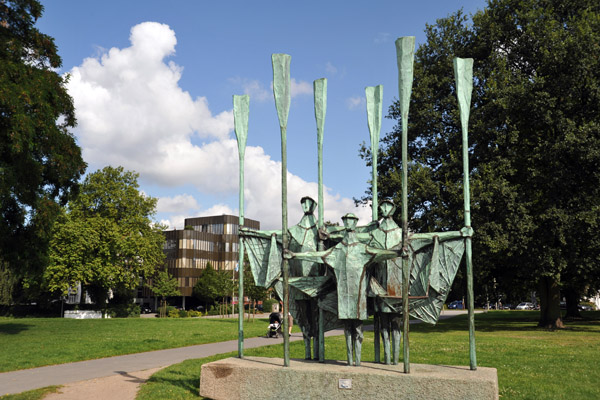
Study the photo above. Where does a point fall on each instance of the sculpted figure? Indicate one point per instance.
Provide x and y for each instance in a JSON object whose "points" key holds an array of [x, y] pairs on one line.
{"points": [[350, 260], [306, 277], [388, 274], [433, 259]]}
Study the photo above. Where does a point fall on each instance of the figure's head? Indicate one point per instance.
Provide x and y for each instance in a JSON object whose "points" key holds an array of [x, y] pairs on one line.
{"points": [[387, 208], [308, 204], [350, 220]]}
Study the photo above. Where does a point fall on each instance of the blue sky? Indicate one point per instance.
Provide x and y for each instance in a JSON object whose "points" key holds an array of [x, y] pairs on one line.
{"points": [[152, 83]]}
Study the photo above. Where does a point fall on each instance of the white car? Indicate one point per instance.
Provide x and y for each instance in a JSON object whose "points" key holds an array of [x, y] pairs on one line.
{"points": [[525, 306]]}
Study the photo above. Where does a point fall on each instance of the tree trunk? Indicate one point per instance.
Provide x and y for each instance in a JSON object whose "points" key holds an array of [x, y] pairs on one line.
{"points": [[572, 297], [163, 308], [550, 303]]}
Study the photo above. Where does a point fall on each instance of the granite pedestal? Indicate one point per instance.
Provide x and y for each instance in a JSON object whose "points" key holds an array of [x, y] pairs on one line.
{"points": [[266, 378]]}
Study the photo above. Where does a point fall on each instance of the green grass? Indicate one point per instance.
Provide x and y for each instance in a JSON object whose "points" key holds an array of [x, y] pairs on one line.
{"points": [[31, 394], [532, 363], [35, 342]]}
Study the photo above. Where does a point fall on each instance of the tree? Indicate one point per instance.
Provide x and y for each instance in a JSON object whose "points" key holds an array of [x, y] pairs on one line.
{"points": [[105, 239], [534, 144], [40, 162], [206, 288], [164, 285], [224, 287], [251, 290]]}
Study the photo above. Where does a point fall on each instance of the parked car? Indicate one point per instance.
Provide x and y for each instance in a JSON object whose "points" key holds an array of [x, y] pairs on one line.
{"points": [[525, 306], [145, 309], [585, 307], [455, 305]]}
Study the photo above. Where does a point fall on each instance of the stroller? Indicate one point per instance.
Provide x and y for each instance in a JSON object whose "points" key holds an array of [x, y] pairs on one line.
{"points": [[274, 328]]}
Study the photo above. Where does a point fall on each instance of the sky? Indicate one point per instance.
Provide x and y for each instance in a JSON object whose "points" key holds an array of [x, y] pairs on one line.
{"points": [[152, 83]]}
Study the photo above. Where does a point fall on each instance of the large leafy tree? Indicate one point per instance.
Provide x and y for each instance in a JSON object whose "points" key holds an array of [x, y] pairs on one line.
{"points": [[106, 239], [534, 144], [40, 162]]}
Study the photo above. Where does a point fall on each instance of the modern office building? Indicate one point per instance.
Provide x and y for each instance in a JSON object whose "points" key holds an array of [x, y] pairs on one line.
{"points": [[204, 239]]}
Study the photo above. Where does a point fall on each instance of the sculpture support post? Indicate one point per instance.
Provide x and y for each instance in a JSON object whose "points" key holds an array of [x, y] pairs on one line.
{"points": [[405, 47], [463, 74], [374, 95], [320, 93], [240, 116], [281, 91]]}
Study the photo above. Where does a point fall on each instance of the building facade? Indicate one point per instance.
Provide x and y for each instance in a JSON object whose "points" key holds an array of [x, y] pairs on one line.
{"points": [[205, 239]]}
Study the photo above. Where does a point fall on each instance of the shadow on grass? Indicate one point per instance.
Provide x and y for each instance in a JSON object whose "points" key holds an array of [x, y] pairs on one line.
{"points": [[13, 329], [177, 379]]}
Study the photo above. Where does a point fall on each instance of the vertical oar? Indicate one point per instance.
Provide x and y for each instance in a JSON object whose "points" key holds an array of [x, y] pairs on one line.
{"points": [[374, 96], [405, 48], [281, 91], [374, 100], [463, 74], [320, 93], [240, 117]]}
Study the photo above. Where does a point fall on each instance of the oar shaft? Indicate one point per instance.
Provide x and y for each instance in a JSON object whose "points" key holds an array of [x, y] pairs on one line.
{"points": [[281, 91], [320, 95], [405, 48], [240, 115], [463, 73]]}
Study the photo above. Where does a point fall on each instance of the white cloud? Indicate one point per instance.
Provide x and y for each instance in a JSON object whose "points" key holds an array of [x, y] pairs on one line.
{"points": [[299, 88], [329, 67], [132, 112], [355, 102], [382, 37], [253, 88], [130, 99], [218, 209], [177, 203]]}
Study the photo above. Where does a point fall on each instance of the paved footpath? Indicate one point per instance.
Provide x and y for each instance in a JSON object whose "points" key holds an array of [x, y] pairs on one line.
{"points": [[61, 374]]}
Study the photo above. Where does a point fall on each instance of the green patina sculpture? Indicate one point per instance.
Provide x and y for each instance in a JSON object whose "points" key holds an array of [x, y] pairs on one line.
{"points": [[306, 280], [389, 275], [241, 106], [463, 74], [350, 260], [433, 260], [407, 274], [320, 95]]}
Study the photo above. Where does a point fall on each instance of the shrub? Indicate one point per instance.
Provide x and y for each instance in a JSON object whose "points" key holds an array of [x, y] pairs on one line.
{"points": [[129, 310], [268, 305]]}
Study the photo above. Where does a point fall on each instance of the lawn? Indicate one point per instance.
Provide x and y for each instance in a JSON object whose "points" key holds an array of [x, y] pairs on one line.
{"points": [[35, 342], [532, 363]]}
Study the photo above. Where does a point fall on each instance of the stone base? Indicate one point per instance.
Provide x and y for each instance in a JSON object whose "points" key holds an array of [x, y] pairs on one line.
{"points": [[266, 378]]}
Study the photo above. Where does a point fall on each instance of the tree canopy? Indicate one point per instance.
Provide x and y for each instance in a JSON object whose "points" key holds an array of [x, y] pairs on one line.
{"points": [[534, 143], [164, 285], [213, 284], [40, 162], [106, 239]]}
